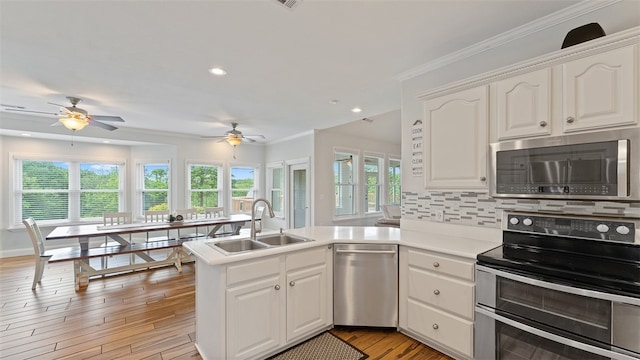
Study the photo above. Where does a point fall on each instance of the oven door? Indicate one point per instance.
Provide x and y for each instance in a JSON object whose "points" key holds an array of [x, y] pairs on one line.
{"points": [[521, 316]]}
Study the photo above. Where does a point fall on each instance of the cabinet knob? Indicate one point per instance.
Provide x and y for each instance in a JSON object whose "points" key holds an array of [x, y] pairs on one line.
{"points": [[570, 119], [277, 287], [436, 291], [436, 264], [483, 178], [543, 123], [435, 326], [329, 246], [292, 283]]}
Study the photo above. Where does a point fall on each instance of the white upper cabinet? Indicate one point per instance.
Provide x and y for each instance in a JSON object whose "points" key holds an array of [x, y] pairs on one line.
{"points": [[523, 105], [600, 90], [455, 135]]}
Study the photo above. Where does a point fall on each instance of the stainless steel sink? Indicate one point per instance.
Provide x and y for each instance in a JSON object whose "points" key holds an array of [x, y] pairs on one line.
{"points": [[237, 245], [280, 239]]}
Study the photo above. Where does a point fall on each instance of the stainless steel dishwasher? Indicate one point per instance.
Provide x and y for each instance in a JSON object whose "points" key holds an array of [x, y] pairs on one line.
{"points": [[365, 285]]}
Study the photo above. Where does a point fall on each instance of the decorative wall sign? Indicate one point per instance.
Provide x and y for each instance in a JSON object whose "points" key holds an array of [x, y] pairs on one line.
{"points": [[416, 148]]}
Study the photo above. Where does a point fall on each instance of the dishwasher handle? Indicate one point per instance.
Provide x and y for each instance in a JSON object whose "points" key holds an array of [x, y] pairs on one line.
{"points": [[365, 251]]}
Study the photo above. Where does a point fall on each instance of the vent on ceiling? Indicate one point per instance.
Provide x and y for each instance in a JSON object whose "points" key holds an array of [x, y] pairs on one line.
{"points": [[289, 3]]}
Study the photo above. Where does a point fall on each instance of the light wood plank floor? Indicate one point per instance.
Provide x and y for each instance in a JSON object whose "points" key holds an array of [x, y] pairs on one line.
{"points": [[141, 315]]}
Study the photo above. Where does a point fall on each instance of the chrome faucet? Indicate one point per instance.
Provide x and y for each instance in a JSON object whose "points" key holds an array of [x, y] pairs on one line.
{"points": [[253, 214]]}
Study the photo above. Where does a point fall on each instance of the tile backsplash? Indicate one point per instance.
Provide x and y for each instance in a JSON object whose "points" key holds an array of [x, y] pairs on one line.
{"points": [[480, 209]]}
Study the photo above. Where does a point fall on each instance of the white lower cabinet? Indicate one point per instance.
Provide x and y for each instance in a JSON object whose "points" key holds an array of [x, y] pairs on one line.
{"points": [[269, 303], [436, 300]]}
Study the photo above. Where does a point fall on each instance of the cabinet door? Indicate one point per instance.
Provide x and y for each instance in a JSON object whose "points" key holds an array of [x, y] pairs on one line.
{"points": [[456, 140], [254, 318], [599, 90], [523, 105], [307, 296]]}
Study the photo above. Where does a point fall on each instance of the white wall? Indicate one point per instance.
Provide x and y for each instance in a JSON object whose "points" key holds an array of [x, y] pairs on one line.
{"points": [[325, 143]]}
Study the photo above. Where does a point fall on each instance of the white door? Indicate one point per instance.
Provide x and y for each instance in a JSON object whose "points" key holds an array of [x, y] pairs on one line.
{"points": [[298, 196]]}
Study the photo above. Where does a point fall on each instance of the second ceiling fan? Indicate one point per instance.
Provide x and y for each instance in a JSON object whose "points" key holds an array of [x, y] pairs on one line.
{"points": [[234, 137]]}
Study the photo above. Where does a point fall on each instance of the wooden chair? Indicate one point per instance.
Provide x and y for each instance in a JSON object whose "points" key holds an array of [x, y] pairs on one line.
{"points": [[111, 219], [189, 214], [214, 212], [42, 256], [157, 216]]}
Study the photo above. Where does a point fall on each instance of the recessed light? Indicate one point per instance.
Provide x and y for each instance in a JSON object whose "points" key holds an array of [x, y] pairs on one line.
{"points": [[218, 71], [356, 110], [334, 101]]}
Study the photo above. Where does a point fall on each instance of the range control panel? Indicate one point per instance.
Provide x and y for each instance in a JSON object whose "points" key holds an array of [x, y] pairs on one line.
{"points": [[620, 230]]}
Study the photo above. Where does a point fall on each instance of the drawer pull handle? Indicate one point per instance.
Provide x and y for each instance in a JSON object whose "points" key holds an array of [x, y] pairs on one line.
{"points": [[436, 291], [436, 264], [292, 283], [435, 326], [277, 287]]}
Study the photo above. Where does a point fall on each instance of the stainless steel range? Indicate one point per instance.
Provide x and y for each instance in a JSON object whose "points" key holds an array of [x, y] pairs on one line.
{"points": [[560, 287]]}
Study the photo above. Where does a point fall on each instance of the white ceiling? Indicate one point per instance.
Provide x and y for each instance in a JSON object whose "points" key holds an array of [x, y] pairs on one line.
{"points": [[148, 61]]}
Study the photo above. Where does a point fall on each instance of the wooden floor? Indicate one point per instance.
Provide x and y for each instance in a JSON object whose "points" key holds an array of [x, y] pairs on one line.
{"points": [[141, 315]]}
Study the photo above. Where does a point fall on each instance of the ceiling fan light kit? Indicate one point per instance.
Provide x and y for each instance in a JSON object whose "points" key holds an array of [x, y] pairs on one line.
{"points": [[74, 123], [234, 141]]}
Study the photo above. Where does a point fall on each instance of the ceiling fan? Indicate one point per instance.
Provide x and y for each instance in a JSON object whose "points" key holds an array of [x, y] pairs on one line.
{"points": [[75, 118], [234, 137]]}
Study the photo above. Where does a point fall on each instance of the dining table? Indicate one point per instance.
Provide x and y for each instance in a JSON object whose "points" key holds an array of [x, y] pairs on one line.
{"points": [[83, 269]]}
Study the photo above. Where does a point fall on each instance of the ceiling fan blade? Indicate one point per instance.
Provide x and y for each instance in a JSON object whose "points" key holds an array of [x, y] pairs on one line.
{"points": [[107, 118], [57, 123], [102, 125], [248, 140], [214, 137], [50, 103], [258, 136], [32, 111]]}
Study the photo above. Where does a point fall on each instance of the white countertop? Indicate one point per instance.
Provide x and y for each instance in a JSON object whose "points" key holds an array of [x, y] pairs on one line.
{"points": [[325, 235]]}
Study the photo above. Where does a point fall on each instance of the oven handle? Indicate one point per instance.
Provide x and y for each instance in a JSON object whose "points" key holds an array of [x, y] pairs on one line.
{"points": [[559, 287], [553, 337]]}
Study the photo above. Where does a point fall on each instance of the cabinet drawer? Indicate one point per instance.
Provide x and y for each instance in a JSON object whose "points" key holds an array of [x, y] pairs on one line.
{"points": [[445, 329], [445, 293], [441, 264], [307, 258], [252, 270]]}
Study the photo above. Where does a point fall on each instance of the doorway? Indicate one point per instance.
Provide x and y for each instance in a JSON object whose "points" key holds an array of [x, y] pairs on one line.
{"points": [[299, 196]]}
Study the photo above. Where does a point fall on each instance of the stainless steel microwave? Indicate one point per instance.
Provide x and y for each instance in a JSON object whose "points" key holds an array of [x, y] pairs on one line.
{"points": [[601, 165]]}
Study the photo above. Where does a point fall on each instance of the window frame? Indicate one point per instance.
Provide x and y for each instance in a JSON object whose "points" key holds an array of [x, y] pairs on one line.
{"points": [[140, 190], [271, 188], [74, 187], [393, 185], [255, 189], [219, 181], [380, 184], [339, 184]]}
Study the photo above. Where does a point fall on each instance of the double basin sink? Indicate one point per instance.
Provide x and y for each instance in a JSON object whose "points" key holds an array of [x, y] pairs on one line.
{"points": [[235, 246]]}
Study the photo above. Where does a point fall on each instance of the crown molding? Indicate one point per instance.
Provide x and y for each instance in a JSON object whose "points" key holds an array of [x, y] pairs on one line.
{"points": [[545, 22]]}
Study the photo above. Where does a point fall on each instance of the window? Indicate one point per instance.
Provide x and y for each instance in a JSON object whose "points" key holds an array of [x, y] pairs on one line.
{"points": [[154, 189], [373, 183], [276, 186], [55, 191], [243, 189], [204, 186], [395, 195], [345, 183]]}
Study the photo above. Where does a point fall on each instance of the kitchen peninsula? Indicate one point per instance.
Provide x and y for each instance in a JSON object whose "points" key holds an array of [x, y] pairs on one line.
{"points": [[260, 302]]}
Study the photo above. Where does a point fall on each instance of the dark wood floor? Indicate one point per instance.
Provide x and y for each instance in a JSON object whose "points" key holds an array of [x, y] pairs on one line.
{"points": [[142, 315]]}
